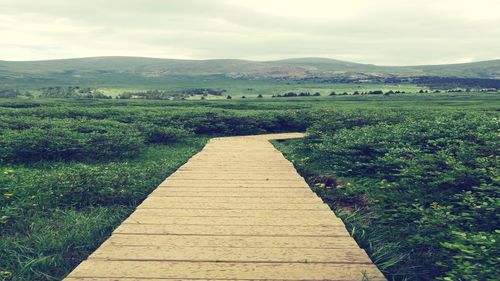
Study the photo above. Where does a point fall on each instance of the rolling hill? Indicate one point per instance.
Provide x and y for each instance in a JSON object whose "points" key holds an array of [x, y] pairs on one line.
{"points": [[127, 70]]}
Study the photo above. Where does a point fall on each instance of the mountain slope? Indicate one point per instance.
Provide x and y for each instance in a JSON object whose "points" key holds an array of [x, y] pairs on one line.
{"points": [[95, 69]]}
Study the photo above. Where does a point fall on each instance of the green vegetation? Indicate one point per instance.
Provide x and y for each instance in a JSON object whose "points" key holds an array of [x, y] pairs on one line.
{"points": [[53, 214], [171, 94], [417, 188], [71, 92], [187, 89], [9, 93], [72, 169], [301, 94]]}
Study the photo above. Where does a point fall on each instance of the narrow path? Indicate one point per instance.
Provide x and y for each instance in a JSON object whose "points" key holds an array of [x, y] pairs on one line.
{"points": [[237, 210]]}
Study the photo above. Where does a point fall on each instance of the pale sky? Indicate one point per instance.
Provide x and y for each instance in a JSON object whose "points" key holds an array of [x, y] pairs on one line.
{"points": [[384, 32]]}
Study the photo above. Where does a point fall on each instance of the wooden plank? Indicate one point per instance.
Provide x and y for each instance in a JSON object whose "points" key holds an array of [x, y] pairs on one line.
{"points": [[239, 206], [233, 176], [237, 187], [285, 182], [321, 242], [235, 200], [235, 213], [228, 230], [230, 192], [237, 170], [227, 271], [228, 254], [250, 165], [150, 218], [246, 158], [233, 184]]}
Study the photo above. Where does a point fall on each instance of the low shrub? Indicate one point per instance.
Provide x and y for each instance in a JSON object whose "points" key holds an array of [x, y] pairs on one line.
{"points": [[426, 183], [163, 135], [76, 140]]}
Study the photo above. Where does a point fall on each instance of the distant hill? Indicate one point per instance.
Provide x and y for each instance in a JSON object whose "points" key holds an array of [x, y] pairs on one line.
{"points": [[116, 70]]}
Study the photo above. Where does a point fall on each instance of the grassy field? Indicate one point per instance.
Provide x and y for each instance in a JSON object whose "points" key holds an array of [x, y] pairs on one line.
{"points": [[236, 88], [414, 176], [267, 88]]}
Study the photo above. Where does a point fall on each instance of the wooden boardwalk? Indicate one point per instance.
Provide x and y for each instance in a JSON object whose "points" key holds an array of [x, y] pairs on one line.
{"points": [[237, 210]]}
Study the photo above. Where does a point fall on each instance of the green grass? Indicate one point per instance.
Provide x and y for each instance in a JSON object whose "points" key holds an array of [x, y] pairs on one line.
{"points": [[418, 189], [57, 213]]}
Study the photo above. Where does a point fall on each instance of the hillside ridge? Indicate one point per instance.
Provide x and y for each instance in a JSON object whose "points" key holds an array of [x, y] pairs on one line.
{"points": [[93, 70]]}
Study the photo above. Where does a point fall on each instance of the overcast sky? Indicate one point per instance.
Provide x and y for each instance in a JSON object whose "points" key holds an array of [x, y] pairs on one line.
{"points": [[385, 32]]}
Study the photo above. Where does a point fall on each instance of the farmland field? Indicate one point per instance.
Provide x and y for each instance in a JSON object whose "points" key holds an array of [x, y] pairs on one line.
{"points": [[414, 177]]}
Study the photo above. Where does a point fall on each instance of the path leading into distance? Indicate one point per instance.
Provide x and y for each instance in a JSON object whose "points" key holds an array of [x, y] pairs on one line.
{"points": [[238, 210]]}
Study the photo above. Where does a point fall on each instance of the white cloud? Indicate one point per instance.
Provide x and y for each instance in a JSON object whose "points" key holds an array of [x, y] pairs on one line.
{"points": [[381, 32]]}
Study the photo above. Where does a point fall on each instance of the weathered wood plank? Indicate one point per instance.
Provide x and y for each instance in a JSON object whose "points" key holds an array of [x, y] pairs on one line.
{"points": [[248, 230], [151, 218], [231, 192], [227, 271], [308, 242], [232, 184], [241, 206], [235, 213], [235, 200], [228, 254]]}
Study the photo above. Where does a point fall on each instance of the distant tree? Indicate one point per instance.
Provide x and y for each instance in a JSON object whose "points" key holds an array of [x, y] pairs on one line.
{"points": [[260, 96], [355, 93], [9, 93], [243, 97], [203, 91], [317, 94], [29, 94], [229, 97], [333, 94], [202, 97], [421, 91]]}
